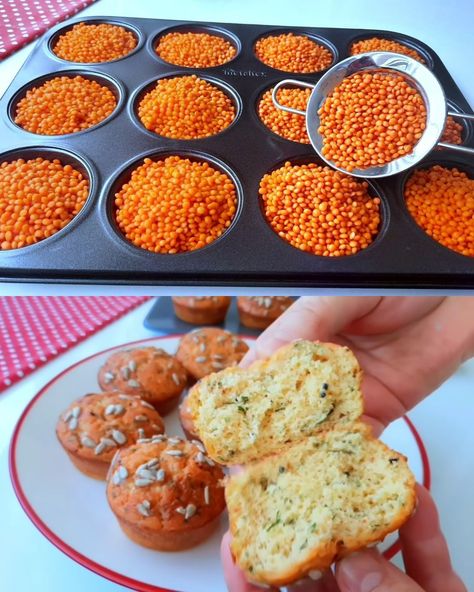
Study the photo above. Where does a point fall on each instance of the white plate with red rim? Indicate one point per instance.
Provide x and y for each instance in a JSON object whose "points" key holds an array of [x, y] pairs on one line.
{"points": [[71, 509]]}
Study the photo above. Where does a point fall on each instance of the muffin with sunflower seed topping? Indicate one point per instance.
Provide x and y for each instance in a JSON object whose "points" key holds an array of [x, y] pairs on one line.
{"points": [[166, 493], [150, 372], [94, 427], [208, 350], [258, 312]]}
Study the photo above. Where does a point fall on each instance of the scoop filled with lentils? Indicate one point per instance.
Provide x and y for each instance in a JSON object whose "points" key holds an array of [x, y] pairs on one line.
{"points": [[371, 119]]}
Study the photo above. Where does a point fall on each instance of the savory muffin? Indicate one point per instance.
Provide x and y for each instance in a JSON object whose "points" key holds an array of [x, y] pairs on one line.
{"points": [[149, 372], [201, 310], [208, 350], [93, 427], [258, 312], [165, 493]]}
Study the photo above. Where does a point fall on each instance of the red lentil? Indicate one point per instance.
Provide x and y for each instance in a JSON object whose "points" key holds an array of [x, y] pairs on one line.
{"points": [[186, 107], [293, 53], [452, 131], [287, 125], [195, 50], [441, 201], [370, 119], [38, 197], [64, 105], [95, 43], [380, 44], [319, 210], [175, 205]]}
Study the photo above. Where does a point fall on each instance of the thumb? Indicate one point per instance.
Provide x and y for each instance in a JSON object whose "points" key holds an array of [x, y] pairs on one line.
{"points": [[368, 571]]}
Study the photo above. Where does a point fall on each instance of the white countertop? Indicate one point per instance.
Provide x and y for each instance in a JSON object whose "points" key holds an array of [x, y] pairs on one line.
{"points": [[445, 26], [29, 562]]}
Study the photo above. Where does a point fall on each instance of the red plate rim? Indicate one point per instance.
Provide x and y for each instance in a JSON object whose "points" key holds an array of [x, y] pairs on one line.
{"points": [[105, 572]]}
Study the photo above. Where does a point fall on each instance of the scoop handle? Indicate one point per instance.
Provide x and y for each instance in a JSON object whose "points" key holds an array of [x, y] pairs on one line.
{"points": [[456, 147], [289, 82]]}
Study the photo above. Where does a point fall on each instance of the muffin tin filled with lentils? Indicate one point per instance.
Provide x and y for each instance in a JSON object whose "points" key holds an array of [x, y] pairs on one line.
{"points": [[150, 151]]}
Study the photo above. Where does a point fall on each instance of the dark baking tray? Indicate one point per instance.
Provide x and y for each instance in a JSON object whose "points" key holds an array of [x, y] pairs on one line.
{"points": [[162, 318], [92, 250]]}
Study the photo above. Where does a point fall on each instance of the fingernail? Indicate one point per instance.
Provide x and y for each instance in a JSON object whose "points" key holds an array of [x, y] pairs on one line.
{"points": [[361, 572]]}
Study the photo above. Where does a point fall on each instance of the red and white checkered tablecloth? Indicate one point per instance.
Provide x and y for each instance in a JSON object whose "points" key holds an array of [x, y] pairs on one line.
{"points": [[21, 21], [36, 329]]}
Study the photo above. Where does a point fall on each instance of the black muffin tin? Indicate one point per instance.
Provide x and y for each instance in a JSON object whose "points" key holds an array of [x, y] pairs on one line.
{"points": [[91, 248]]}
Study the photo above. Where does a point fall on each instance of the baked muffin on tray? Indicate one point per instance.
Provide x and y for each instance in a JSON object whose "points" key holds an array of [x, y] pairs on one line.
{"points": [[258, 312], [208, 350], [93, 427], [201, 310], [149, 372], [166, 493]]}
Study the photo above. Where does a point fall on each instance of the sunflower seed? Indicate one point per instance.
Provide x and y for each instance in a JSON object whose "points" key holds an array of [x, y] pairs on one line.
{"points": [[173, 441], [132, 365], [116, 478], [152, 463], [119, 437], [125, 397], [174, 452], [199, 445], [218, 357], [108, 442], [175, 378], [72, 425], [146, 404], [67, 416], [140, 418], [125, 372], [201, 359], [158, 438], [181, 510], [217, 365], [134, 383], [122, 472], [88, 442], [146, 474], [143, 440], [143, 482], [143, 510], [160, 475], [190, 511], [202, 458], [141, 433], [115, 409], [109, 377], [206, 495], [202, 347], [99, 449]]}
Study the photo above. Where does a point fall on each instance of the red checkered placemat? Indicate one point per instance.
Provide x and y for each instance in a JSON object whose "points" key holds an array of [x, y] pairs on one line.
{"points": [[36, 329], [21, 21]]}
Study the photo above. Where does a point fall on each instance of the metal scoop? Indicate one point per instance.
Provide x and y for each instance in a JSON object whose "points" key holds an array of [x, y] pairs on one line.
{"points": [[418, 75]]}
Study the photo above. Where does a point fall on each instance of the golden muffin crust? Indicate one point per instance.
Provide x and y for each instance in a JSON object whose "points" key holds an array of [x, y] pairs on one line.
{"points": [[186, 419], [165, 489], [201, 310], [208, 350], [93, 427], [149, 372], [260, 311]]}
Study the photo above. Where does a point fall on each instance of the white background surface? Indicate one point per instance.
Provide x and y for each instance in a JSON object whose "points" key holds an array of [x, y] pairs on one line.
{"points": [[28, 562], [445, 26]]}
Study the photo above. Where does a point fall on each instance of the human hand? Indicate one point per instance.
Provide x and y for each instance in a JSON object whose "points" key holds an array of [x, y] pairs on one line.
{"points": [[406, 346], [425, 555]]}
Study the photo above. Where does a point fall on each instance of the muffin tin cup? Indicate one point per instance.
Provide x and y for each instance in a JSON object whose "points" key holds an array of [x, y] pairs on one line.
{"points": [[103, 79], [91, 249], [124, 176], [66, 157]]}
